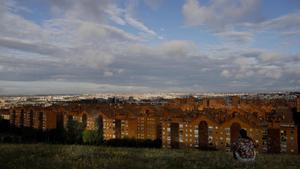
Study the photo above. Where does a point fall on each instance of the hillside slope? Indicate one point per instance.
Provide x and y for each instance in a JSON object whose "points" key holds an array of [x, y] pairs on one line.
{"points": [[42, 156]]}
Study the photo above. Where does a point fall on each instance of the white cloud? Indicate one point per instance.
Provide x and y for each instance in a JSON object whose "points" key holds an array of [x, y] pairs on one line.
{"points": [[223, 18], [267, 57], [87, 10], [225, 73], [98, 11], [138, 25], [289, 21], [246, 61], [116, 14], [273, 72], [178, 48], [239, 37], [287, 25], [166, 50], [218, 14]]}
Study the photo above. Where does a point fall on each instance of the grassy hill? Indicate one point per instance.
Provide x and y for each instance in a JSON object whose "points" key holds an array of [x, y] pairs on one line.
{"points": [[42, 156]]}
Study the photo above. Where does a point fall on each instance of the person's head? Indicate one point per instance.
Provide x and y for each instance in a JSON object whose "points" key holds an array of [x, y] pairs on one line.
{"points": [[243, 133]]}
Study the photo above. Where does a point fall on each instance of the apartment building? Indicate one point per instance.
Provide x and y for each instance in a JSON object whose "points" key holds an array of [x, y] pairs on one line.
{"points": [[199, 130], [209, 123]]}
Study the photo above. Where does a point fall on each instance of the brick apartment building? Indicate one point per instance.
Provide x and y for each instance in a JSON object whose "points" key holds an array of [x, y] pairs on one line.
{"points": [[209, 123]]}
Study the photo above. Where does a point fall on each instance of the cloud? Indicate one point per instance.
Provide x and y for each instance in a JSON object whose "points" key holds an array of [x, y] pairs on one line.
{"points": [[234, 36], [108, 74], [223, 18], [260, 64], [52, 87], [88, 10], [225, 73], [116, 14], [173, 49], [245, 61], [70, 41], [89, 51], [272, 71], [73, 42], [239, 21], [154, 4], [178, 48], [286, 26], [139, 25], [27, 46], [97, 11], [270, 56], [289, 21], [74, 51], [219, 14], [291, 34], [293, 69], [11, 23]]}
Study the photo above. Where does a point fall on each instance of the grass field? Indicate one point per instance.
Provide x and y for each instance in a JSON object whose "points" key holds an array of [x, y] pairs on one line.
{"points": [[42, 156]]}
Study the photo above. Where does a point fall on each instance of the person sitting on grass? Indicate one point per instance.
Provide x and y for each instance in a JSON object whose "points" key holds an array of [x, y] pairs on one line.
{"points": [[244, 149]]}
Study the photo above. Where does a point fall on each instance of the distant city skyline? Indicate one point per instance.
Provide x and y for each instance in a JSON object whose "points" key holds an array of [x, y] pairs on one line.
{"points": [[94, 46]]}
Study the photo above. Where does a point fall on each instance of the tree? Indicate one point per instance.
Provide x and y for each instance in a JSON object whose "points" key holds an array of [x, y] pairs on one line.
{"points": [[90, 137], [94, 137], [4, 125], [74, 132], [99, 126]]}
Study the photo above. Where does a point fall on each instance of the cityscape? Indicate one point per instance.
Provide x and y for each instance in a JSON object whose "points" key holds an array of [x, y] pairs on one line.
{"points": [[207, 121], [148, 84]]}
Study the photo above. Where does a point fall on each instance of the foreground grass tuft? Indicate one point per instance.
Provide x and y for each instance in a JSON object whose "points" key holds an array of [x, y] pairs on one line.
{"points": [[42, 156]]}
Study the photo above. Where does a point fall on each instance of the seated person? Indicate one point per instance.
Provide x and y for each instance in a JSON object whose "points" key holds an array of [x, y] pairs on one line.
{"points": [[244, 149]]}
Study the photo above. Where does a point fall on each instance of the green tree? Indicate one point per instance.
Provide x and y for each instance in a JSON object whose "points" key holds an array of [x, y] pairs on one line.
{"points": [[74, 132], [90, 137], [94, 137]]}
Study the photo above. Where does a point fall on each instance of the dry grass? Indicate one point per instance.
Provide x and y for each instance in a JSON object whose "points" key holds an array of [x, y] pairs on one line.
{"points": [[42, 156]]}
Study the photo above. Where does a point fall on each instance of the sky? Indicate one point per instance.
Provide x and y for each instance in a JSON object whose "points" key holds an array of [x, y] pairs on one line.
{"points": [[95, 46]]}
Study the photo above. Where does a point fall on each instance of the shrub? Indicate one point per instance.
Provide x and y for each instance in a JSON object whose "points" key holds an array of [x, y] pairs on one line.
{"points": [[91, 137]]}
